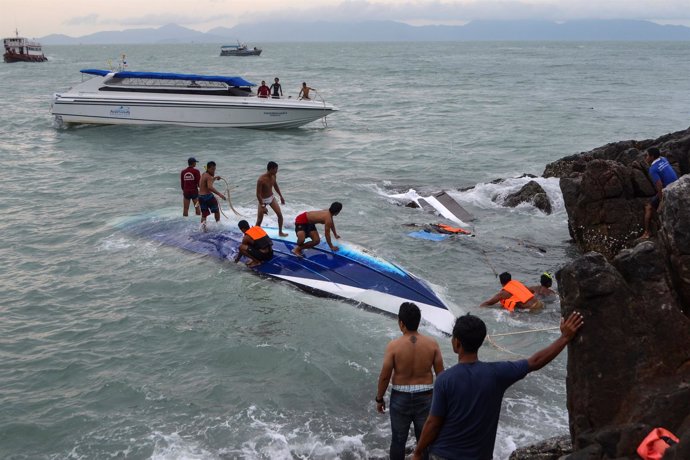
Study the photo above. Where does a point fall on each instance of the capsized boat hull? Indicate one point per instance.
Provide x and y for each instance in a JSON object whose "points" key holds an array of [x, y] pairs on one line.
{"points": [[349, 273]]}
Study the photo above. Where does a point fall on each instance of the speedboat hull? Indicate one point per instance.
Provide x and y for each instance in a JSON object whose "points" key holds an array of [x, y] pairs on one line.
{"points": [[98, 101], [348, 273]]}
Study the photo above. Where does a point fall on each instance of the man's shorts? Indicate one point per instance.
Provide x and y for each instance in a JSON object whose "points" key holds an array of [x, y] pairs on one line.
{"points": [[208, 204], [654, 202], [306, 228], [191, 196], [258, 255]]}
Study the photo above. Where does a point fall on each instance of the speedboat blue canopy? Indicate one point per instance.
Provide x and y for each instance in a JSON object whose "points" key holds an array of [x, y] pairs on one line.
{"points": [[232, 81]]}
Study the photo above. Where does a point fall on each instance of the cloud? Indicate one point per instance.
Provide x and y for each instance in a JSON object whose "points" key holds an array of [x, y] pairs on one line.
{"points": [[88, 20], [467, 10], [168, 18]]}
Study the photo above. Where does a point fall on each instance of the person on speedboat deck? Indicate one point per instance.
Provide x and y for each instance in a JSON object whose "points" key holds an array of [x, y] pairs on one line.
{"points": [[304, 92], [662, 174], [264, 193], [256, 245], [263, 90], [543, 291], [207, 201], [305, 227], [466, 405], [189, 181], [412, 360], [276, 89], [514, 295]]}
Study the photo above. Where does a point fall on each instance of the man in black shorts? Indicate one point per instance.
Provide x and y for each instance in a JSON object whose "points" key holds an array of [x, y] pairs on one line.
{"points": [[256, 245]]}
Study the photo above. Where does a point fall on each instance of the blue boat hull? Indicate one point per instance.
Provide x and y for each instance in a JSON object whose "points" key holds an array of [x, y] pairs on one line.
{"points": [[349, 273]]}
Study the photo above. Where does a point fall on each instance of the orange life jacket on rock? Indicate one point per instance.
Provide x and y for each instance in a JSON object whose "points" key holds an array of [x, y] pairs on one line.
{"points": [[655, 444], [518, 292]]}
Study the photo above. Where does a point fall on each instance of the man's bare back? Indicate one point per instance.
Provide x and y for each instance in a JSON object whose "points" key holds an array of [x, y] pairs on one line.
{"points": [[415, 356]]}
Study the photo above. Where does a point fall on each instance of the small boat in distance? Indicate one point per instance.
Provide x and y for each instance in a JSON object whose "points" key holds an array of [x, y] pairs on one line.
{"points": [[20, 49], [154, 98], [240, 49]]}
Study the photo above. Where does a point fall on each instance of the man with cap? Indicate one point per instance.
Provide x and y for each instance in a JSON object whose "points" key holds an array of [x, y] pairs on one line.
{"points": [[189, 181]]}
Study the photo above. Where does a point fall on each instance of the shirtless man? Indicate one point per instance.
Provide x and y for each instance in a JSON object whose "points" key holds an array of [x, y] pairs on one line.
{"points": [[305, 227], [543, 291], [410, 359], [264, 193], [207, 201], [304, 92]]}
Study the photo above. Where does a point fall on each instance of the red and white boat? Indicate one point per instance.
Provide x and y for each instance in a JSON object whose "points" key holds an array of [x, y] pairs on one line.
{"points": [[20, 49]]}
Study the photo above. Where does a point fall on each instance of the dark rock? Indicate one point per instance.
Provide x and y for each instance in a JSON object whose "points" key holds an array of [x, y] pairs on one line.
{"points": [[550, 449], [628, 370], [411, 204], [532, 193], [675, 234]]}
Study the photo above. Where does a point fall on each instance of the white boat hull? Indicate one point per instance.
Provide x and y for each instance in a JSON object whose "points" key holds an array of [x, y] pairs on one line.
{"points": [[85, 104]]}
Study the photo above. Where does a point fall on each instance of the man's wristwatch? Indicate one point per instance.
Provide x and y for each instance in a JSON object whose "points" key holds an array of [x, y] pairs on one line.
{"points": [[378, 400]]}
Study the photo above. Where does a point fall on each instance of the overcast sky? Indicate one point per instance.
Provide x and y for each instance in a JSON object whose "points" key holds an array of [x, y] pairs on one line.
{"points": [[35, 18]]}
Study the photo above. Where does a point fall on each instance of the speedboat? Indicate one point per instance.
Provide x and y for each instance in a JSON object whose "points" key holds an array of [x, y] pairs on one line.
{"points": [[154, 98], [240, 49], [19, 49], [349, 273]]}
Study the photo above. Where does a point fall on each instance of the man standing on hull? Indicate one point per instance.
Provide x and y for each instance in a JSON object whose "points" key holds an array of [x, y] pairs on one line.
{"points": [[305, 227], [410, 360], [207, 201], [189, 181], [467, 399], [264, 193]]}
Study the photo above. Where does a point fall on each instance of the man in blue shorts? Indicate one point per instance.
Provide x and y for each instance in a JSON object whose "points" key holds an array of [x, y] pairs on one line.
{"points": [[467, 397], [662, 174], [207, 201]]}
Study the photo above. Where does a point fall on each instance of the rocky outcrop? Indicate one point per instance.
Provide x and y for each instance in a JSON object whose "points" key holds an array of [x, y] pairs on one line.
{"points": [[629, 368], [532, 193], [604, 190]]}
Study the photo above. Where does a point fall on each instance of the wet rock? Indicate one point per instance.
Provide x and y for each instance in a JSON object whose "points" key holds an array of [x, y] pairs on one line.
{"points": [[550, 449], [532, 193], [411, 204]]}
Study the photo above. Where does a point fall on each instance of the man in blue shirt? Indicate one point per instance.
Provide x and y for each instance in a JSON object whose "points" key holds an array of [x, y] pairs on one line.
{"points": [[661, 172], [467, 397]]}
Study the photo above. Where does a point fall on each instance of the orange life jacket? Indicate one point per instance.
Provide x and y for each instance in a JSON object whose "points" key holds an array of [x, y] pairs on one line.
{"points": [[443, 228], [259, 236], [656, 443], [518, 292]]}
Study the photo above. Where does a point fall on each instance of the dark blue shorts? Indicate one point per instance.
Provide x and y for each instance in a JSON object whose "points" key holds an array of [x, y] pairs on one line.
{"points": [[306, 228], [208, 204], [190, 196], [654, 202]]}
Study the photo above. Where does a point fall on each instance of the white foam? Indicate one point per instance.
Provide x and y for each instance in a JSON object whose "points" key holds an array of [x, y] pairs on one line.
{"points": [[483, 194]]}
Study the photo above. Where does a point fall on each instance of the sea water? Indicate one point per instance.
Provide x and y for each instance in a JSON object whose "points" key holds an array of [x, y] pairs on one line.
{"points": [[113, 346]]}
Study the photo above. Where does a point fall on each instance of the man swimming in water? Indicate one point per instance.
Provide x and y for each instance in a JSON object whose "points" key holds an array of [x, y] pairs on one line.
{"points": [[544, 290], [207, 201], [264, 193], [305, 227], [514, 296]]}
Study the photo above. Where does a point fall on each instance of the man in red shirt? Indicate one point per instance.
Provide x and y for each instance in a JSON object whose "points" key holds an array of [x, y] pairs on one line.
{"points": [[189, 181], [263, 91]]}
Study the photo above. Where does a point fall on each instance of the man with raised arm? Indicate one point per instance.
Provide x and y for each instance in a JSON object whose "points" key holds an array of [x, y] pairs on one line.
{"points": [[264, 193], [305, 227], [412, 360], [207, 201], [467, 398]]}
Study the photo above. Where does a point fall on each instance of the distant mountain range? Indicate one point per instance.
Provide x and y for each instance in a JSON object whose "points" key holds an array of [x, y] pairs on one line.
{"points": [[379, 31]]}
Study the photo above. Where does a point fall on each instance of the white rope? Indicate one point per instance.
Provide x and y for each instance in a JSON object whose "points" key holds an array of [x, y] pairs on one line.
{"points": [[227, 198], [505, 350]]}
